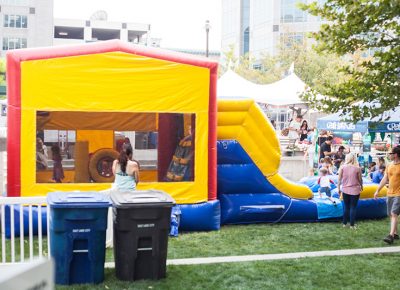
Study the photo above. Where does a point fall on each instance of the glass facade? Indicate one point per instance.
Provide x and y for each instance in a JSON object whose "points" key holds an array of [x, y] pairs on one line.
{"points": [[16, 2], [15, 21], [14, 43], [291, 13], [288, 39], [245, 26], [268, 21]]}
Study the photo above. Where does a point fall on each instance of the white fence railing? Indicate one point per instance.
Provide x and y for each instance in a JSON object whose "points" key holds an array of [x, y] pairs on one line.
{"points": [[9, 247]]}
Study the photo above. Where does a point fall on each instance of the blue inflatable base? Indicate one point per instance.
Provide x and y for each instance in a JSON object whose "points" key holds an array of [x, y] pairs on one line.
{"points": [[17, 210], [204, 216], [247, 208]]}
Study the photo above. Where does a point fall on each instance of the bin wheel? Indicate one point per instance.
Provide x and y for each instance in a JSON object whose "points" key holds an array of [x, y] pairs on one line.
{"points": [[100, 165]]}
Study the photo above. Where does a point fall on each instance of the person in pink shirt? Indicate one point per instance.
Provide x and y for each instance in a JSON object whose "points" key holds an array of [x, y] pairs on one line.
{"points": [[350, 186]]}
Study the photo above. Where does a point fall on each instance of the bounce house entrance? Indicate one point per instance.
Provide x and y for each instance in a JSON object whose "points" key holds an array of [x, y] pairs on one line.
{"points": [[79, 147]]}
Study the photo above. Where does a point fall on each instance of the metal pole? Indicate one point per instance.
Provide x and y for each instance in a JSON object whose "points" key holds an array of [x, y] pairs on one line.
{"points": [[207, 27]]}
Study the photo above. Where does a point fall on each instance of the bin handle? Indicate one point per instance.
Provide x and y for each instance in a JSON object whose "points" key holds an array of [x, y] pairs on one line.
{"points": [[146, 196]]}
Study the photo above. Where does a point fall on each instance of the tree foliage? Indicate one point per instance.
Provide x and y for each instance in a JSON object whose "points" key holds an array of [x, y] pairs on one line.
{"points": [[2, 72], [354, 28], [309, 65]]}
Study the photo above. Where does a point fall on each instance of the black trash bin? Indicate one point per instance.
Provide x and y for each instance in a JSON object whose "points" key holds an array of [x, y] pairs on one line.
{"points": [[141, 226]]}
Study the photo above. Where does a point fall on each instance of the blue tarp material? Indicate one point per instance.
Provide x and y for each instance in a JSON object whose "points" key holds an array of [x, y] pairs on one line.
{"points": [[326, 209], [335, 122]]}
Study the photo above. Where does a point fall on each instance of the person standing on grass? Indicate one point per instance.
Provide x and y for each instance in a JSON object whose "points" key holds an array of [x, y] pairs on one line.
{"points": [[350, 178], [392, 175]]}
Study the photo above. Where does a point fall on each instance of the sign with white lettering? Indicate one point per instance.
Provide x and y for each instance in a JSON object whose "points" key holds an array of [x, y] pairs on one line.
{"points": [[342, 126]]}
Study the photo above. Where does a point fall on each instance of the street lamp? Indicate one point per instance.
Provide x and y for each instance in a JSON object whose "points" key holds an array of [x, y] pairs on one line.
{"points": [[207, 27]]}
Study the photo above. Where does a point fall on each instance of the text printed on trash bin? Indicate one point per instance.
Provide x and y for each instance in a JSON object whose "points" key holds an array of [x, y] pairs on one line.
{"points": [[145, 226], [81, 230]]}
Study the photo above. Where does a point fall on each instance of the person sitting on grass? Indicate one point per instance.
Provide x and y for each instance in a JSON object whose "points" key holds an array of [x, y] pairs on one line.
{"points": [[325, 184]]}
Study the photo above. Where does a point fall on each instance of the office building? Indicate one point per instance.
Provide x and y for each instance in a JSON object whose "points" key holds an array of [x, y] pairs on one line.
{"points": [[258, 27], [25, 23], [98, 28]]}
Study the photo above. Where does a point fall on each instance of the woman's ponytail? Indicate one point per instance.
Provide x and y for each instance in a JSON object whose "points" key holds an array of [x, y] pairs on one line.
{"points": [[124, 156], [123, 160]]}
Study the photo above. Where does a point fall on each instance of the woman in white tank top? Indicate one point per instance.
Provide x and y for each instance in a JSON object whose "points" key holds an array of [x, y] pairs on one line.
{"points": [[125, 170]]}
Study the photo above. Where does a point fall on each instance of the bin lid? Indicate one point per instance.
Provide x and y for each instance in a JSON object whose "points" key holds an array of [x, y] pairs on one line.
{"points": [[140, 198], [75, 199]]}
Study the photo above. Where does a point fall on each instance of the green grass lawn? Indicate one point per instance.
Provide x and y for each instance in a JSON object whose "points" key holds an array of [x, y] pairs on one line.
{"points": [[351, 272], [266, 239], [277, 238]]}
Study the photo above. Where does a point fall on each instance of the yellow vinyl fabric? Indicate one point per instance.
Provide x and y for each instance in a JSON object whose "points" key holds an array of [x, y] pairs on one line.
{"points": [[98, 139], [117, 121], [369, 190], [242, 120], [114, 82]]}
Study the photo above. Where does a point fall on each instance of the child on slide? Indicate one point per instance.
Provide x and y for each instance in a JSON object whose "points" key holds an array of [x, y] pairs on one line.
{"points": [[325, 184]]}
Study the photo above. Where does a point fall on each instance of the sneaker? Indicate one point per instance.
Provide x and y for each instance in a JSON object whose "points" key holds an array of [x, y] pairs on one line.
{"points": [[353, 227], [344, 226], [396, 236], [389, 239]]}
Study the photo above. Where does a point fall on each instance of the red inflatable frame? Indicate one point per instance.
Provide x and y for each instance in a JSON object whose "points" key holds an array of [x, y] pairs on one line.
{"points": [[14, 59]]}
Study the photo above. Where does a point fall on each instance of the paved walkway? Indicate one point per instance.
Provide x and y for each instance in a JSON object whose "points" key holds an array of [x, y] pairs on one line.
{"points": [[269, 257]]}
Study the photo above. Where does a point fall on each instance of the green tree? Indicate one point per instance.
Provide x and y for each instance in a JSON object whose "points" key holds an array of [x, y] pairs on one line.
{"points": [[310, 66], [354, 28], [2, 72]]}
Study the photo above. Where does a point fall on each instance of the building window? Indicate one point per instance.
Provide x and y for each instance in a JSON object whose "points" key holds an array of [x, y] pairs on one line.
{"points": [[24, 21], [290, 12], [15, 2], [257, 66], [3, 110], [14, 43], [275, 28], [32, 10], [69, 32], [290, 39], [15, 21]]}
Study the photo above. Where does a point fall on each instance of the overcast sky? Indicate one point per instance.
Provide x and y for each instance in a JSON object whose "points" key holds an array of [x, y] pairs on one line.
{"points": [[179, 23]]}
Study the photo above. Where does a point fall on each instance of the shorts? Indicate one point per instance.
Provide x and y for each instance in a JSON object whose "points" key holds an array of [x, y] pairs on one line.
{"points": [[393, 205], [327, 190]]}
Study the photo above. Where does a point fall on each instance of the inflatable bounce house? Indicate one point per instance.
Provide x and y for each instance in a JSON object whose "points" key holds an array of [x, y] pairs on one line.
{"points": [[71, 108], [84, 101]]}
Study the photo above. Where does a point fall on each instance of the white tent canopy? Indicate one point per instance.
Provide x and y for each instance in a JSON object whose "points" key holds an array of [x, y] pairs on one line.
{"points": [[286, 91], [230, 84]]}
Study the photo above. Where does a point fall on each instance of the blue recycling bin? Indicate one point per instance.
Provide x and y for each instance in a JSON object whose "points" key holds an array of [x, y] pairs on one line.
{"points": [[78, 224]]}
